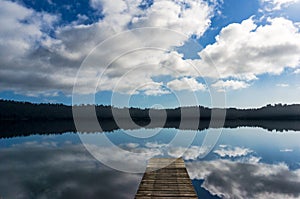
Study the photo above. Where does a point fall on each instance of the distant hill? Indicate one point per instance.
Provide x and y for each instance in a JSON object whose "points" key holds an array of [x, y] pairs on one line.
{"points": [[12, 110]]}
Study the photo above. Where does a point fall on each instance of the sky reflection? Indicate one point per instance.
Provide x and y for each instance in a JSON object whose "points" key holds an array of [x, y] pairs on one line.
{"points": [[244, 163], [47, 170]]}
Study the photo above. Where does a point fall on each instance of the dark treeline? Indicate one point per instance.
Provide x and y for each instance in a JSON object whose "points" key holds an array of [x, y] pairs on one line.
{"points": [[12, 110], [10, 129]]}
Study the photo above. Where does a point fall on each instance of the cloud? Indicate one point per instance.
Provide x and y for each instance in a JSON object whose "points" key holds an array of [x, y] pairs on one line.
{"points": [[60, 171], [191, 153], [129, 146], [34, 62], [22, 33], [129, 160], [282, 85], [154, 89], [21, 29], [177, 15], [155, 148], [235, 152], [297, 71], [155, 145], [130, 73], [189, 84], [229, 179], [49, 63], [230, 85], [273, 5], [246, 50], [286, 150]]}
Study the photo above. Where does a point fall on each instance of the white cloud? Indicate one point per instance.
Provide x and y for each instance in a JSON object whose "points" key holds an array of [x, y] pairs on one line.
{"points": [[129, 160], [191, 153], [247, 50], [154, 89], [155, 145], [229, 179], [49, 64], [189, 84], [271, 5], [251, 159], [282, 85], [230, 85], [131, 145], [286, 150], [21, 30], [177, 15], [54, 63], [232, 153], [71, 165], [297, 71]]}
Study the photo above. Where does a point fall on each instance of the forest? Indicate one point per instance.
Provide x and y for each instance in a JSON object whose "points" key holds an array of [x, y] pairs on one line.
{"points": [[14, 111]]}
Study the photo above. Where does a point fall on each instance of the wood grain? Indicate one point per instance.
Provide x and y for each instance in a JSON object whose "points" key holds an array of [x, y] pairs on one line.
{"points": [[166, 178]]}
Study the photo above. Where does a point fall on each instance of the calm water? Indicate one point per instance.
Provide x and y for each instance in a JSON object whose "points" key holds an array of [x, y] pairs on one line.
{"points": [[244, 163]]}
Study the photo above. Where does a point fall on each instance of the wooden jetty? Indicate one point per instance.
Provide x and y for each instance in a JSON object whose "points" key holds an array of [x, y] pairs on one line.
{"points": [[171, 180]]}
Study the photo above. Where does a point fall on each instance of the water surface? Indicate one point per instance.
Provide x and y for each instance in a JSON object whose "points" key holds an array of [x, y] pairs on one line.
{"points": [[245, 162]]}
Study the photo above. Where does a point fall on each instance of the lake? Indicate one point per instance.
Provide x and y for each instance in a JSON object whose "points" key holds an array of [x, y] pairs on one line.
{"points": [[243, 162]]}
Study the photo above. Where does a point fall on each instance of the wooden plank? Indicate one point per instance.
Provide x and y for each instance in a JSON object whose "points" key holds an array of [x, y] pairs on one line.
{"points": [[154, 197], [166, 197], [166, 178]]}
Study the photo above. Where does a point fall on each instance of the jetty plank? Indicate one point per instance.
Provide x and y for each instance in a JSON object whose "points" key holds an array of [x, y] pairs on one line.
{"points": [[166, 178]]}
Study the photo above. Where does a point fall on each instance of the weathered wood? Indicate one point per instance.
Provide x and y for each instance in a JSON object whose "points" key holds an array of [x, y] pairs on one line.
{"points": [[166, 178]]}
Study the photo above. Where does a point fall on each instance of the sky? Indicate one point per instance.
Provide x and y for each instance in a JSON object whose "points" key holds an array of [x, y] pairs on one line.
{"points": [[151, 53]]}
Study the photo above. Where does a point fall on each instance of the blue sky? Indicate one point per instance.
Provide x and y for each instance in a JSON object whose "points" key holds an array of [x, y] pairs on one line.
{"points": [[245, 53]]}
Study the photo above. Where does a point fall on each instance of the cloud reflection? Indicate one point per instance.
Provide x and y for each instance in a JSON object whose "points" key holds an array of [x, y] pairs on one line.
{"points": [[232, 152], [230, 179], [46, 170]]}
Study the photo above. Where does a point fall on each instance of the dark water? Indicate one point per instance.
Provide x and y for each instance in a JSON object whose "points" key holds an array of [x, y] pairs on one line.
{"points": [[244, 162]]}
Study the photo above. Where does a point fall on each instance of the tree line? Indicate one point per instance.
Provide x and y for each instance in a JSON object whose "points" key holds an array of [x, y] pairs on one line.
{"points": [[13, 110]]}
